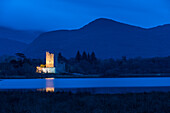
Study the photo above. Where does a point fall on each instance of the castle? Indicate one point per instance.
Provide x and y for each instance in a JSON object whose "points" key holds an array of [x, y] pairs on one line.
{"points": [[50, 66]]}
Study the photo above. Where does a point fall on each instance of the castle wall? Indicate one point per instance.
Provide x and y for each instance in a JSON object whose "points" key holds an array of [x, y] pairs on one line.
{"points": [[49, 67], [46, 70], [49, 70], [49, 60]]}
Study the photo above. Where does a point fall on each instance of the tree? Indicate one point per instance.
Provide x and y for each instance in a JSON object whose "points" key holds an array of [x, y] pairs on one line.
{"points": [[124, 59], [22, 59], [84, 56], [93, 57], [78, 56], [88, 57], [14, 63], [60, 57], [20, 55]]}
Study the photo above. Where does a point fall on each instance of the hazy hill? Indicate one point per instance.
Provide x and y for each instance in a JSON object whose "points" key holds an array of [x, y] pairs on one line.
{"points": [[25, 36], [10, 47], [107, 38]]}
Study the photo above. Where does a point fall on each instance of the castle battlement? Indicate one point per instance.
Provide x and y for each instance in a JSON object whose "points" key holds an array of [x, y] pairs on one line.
{"points": [[49, 59], [49, 66]]}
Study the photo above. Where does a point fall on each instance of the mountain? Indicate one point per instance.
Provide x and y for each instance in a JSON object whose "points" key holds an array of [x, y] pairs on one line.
{"points": [[107, 38], [26, 36], [10, 47]]}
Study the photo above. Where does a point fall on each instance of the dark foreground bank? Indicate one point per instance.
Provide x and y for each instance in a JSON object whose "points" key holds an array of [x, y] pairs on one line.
{"points": [[42, 102]]}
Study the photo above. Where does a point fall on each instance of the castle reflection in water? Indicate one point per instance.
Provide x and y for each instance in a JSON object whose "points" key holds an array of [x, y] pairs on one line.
{"points": [[49, 85]]}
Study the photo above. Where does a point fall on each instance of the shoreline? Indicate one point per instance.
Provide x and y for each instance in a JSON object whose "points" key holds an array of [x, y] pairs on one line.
{"points": [[96, 90], [72, 76]]}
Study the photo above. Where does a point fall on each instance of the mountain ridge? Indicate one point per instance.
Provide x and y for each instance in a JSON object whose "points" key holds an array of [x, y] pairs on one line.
{"points": [[26, 36], [108, 38], [10, 47]]}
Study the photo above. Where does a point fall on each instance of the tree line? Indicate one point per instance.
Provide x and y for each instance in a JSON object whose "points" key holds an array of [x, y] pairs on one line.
{"points": [[88, 63]]}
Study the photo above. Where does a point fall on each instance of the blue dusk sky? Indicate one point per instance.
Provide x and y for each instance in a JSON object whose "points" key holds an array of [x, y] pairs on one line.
{"points": [[72, 14]]}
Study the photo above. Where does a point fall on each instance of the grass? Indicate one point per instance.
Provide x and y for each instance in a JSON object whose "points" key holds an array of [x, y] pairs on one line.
{"points": [[42, 102]]}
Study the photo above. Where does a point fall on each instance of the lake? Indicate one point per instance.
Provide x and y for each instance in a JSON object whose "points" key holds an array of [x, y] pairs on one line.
{"points": [[94, 85]]}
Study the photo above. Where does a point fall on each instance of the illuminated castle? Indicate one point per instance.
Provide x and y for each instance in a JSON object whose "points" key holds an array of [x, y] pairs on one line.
{"points": [[49, 66], [49, 60]]}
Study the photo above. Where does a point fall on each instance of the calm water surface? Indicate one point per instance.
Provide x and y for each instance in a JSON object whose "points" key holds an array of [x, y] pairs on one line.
{"points": [[88, 84]]}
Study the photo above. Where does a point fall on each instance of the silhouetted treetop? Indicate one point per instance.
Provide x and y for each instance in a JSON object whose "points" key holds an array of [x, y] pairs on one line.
{"points": [[78, 56], [84, 56], [93, 57]]}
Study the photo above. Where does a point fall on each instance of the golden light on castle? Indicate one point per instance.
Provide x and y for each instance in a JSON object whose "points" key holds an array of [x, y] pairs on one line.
{"points": [[49, 60], [49, 66]]}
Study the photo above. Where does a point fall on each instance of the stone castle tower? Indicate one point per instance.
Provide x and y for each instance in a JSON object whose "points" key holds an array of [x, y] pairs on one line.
{"points": [[49, 59], [49, 67]]}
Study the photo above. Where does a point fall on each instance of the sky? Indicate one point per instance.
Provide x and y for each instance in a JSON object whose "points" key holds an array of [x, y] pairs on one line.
{"points": [[72, 14]]}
